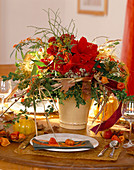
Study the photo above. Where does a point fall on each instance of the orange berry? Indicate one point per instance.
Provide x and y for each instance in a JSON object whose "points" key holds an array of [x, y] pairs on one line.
{"points": [[40, 49], [22, 100], [38, 38], [112, 59], [33, 79], [20, 42], [28, 90], [14, 45], [29, 38]]}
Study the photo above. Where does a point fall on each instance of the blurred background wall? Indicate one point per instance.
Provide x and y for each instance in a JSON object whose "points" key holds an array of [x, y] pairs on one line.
{"points": [[17, 15]]}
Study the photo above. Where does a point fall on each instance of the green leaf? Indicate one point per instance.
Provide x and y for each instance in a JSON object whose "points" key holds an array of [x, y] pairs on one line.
{"points": [[12, 53], [16, 55], [34, 46], [22, 54], [96, 64], [116, 43], [17, 65], [34, 71], [60, 58], [39, 63]]}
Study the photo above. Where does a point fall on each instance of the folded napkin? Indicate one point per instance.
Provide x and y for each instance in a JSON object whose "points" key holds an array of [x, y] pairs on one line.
{"points": [[42, 144]]}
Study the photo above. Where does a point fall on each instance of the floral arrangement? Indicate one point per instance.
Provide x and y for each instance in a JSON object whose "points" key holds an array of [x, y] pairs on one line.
{"points": [[58, 65]]}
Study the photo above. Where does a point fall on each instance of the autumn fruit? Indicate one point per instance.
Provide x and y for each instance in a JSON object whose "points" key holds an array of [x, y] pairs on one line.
{"points": [[122, 138], [104, 80], [69, 142], [115, 137], [107, 134], [22, 100], [120, 86], [52, 141], [4, 141], [22, 136], [14, 135], [25, 126], [17, 136], [3, 133]]}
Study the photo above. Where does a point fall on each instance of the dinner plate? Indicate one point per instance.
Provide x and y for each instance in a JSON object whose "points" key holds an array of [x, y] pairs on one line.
{"points": [[63, 137]]}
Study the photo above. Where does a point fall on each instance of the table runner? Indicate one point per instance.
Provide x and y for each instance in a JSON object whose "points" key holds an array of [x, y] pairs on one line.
{"points": [[89, 155]]}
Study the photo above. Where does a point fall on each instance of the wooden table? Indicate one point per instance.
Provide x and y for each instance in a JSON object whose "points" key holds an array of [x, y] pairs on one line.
{"points": [[7, 154]]}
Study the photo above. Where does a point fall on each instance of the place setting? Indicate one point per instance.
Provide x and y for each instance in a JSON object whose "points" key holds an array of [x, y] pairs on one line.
{"points": [[108, 146]]}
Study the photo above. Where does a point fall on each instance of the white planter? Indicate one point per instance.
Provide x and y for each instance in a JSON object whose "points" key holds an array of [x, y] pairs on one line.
{"points": [[72, 117]]}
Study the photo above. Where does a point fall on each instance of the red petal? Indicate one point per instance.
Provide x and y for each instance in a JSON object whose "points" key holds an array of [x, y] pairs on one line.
{"points": [[74, 49], [82, 45]]}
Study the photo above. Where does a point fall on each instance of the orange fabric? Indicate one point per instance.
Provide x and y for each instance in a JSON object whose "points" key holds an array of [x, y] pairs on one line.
{"points": [[127, 55]]}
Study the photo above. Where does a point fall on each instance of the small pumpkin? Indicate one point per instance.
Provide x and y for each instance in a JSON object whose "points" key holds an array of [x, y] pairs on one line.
{"points": [[25, 126]]}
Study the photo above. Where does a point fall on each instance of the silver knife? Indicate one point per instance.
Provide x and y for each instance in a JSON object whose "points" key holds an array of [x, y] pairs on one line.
{"points": [[102, 152]]}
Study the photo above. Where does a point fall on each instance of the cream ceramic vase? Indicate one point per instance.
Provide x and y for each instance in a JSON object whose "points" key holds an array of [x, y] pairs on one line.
{"points": [[72, 117]]}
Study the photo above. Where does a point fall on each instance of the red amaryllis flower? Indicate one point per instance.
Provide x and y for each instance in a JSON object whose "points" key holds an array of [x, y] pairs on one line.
{"points": [[76, 63], [85, 47], [84, 55], [52, 50], [80, 47]]}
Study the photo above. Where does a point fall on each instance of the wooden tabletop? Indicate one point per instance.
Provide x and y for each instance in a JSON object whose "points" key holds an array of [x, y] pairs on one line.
{"points": [[7, 154]]}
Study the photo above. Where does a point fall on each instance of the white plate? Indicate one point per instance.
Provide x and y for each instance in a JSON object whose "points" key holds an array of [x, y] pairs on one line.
{"points": [[63, 137]]}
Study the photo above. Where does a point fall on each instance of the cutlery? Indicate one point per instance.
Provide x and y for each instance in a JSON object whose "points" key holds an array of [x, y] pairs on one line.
{"points": [[114, 144], [103, 151], [26, 142], [24, 146]]}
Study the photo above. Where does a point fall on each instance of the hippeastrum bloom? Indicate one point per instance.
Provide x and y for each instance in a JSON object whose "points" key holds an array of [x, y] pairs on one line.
{"points": [[84, 54]]}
